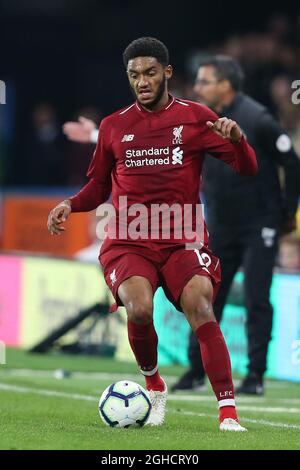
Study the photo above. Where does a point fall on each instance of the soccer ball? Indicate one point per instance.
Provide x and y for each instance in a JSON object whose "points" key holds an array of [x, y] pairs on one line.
{"points": [[124, 404]]}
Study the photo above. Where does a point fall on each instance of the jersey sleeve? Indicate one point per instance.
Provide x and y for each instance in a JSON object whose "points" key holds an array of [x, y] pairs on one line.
{"points": [[98, 189], [241, 156]]}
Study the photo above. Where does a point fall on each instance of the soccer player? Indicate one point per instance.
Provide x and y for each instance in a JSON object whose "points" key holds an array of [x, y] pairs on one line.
{"points": [[152, 152], [245, 215]]}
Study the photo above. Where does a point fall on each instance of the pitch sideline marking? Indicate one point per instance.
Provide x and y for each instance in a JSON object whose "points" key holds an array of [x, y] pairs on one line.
{"points": [[179, 397], [246, 420], [117, 376], [75, 396]]}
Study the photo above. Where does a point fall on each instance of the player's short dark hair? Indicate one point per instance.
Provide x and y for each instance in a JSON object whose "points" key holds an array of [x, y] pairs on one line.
{"points": [[146, 47], [226, 69]]}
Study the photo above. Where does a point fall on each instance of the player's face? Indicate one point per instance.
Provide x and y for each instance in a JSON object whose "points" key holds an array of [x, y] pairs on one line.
{"points": [[208, 88], [148, 80]]}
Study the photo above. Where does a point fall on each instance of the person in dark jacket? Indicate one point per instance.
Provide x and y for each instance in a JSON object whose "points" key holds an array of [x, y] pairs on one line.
{"points": [[245, 215]]}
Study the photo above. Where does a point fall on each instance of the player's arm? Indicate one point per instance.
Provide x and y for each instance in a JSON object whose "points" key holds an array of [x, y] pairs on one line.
{"points": [[95, 192], [277, 144], [223, 139], [84, 131]]}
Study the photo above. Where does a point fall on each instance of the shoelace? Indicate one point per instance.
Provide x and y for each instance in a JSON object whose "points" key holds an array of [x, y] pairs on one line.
{"points": [[156, 399], [231, 421]]}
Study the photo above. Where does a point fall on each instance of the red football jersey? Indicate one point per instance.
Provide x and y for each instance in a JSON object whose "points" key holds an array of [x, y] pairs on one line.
{"points": [[156, 157]]}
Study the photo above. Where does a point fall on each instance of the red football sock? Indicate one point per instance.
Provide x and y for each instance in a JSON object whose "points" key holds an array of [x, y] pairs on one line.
{"points": [[217, 366], [227, 412], [143, 341]]}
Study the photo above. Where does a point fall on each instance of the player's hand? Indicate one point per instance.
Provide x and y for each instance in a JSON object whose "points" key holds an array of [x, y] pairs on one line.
{"points": [[79, 131], [226, 128], [57, 216]]}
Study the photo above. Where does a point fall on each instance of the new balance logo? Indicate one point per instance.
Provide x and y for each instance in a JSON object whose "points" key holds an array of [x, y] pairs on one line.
{"points": [[177, 156], [127, 138]]}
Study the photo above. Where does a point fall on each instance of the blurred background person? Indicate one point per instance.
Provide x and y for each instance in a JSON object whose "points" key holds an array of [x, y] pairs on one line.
{"points": [[289, 253], [245, 216], [83, 131], [78, 156], [44, 148]]}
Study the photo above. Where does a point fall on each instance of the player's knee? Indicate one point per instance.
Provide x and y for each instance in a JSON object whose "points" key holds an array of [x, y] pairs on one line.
{"points": [[202, 310], [140, 312], [197, 305]]}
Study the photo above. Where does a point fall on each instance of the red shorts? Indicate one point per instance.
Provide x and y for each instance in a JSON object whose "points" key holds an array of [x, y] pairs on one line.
{"points": [[169, 266]]}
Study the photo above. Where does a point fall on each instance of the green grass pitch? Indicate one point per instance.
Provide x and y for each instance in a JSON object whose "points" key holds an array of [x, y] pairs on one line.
{"points": [[39, 411]]}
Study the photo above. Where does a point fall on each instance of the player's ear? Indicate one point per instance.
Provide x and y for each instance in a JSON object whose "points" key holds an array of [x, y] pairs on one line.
{"points": [[168, 71]]}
